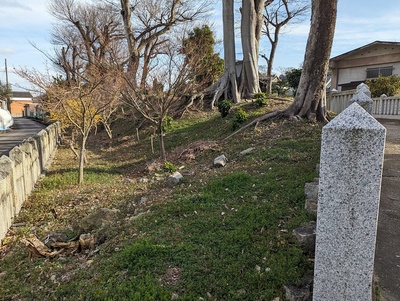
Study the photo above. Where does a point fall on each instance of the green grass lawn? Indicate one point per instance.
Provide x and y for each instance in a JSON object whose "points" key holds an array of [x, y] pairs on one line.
{"points": [[223, 234]]}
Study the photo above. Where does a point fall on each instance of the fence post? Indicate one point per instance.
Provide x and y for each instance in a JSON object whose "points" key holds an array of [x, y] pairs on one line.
{"points": [[349, 190]]}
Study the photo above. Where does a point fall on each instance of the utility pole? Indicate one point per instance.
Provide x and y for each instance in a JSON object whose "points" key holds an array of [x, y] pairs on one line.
{"points": [[8, 101]]}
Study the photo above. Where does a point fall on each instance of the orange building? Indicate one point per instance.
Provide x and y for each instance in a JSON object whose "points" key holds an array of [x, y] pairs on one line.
{"points": [[19, 100]]}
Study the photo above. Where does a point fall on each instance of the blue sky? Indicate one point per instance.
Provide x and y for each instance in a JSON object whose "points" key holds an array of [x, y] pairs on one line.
{"points": [[358, 23]]}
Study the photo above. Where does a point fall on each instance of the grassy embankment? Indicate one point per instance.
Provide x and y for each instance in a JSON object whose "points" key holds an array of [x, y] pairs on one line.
{"points": [[222, 234]]}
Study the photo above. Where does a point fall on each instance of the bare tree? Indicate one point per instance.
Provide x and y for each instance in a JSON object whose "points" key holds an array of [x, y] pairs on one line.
{"points": [[166, 88], [87, 41], [278, 14], [147, 24], [85, 35], [80, 106]]}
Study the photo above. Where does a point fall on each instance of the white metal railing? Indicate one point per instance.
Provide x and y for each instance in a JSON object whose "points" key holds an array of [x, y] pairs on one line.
{"points": [[382, 106]]}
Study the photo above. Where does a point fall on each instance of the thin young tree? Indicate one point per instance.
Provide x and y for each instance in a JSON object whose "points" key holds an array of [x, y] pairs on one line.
{"points": [[277, 14], [80, 106], [167, 87]]}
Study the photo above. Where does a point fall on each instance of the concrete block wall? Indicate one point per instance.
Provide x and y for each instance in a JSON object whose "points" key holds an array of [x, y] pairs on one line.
{"points": [[20, 170]]}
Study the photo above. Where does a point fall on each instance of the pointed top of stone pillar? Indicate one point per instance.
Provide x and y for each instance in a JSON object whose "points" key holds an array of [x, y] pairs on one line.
{"points": [[364, 88], [363, 97]]}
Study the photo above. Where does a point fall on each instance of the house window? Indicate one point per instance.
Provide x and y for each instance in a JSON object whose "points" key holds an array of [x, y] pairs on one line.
{"points": [[375, 72]]}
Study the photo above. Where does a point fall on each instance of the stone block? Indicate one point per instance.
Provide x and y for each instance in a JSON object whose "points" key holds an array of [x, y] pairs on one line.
{"points": [[306, 236], [311, 190], [311, 205], [294, 293]]}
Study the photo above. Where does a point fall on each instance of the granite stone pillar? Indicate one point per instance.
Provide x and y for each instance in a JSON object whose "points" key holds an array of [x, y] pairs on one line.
{"points": [[349, 190]]}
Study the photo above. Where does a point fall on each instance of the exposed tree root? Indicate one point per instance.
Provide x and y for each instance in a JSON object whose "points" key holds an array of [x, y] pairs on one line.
{"points": [[272, 115]]}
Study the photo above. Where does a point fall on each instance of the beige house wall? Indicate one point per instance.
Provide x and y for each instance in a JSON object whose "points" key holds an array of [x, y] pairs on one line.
{"points": [[352, 66], [347, 75]]}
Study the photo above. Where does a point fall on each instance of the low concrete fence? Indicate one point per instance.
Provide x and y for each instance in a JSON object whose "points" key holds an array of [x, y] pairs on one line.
{"points": [[338, 101], [386, 106], [20, 170], [383, 107]]}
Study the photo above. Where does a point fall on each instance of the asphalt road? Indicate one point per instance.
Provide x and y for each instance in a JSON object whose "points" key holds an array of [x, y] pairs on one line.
{"points": [[22, 129]]}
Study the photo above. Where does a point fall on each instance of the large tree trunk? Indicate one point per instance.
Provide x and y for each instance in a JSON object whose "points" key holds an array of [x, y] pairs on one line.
{"points": [[311, 93], [252, 17], [227, 84], [133, 51]]}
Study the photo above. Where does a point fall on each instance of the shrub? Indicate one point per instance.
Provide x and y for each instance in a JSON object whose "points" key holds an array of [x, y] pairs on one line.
{"points": [[388, 85], [167, 123], [169, 167], [240, 117], [224, 107], [260, 99]]}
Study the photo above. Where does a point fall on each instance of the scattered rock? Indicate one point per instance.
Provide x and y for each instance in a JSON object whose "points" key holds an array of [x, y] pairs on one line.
{"points": [[3, 275], [297, 293], [247, 151], [175, 296], [144, 180], [175, 178], [143, 200], [98, 219], [220, 161]]}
